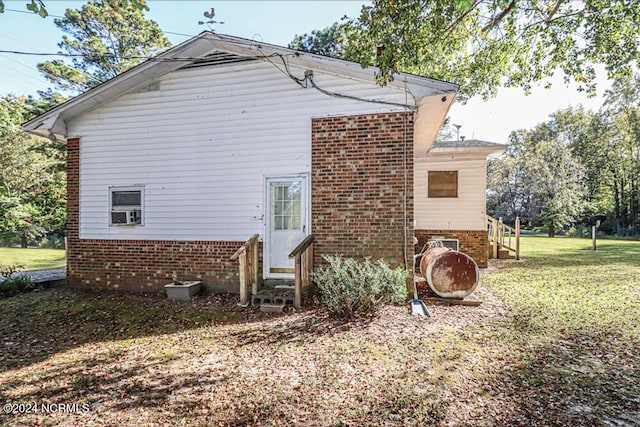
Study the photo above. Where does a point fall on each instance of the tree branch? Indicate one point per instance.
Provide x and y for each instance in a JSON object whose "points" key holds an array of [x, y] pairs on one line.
{"points": [[553, 11], [497, 19]]}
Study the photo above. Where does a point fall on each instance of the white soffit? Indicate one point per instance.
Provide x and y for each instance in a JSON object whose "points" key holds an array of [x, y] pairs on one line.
{"points": [[432, 111]]}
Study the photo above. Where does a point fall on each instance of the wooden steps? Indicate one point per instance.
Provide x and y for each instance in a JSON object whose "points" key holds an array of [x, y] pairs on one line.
{"points": [[505, 254], [503, 240]]}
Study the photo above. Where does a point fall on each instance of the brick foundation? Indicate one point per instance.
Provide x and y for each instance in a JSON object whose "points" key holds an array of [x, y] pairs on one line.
{"points": [[472, 242], [141, 265], [358, 182]]}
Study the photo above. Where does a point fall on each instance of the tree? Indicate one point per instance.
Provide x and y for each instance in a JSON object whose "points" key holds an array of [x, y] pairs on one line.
{"points": [[32, 198], [556, 181], [486, 44], [330, 41], [622, 113], [104, 40], [610, 151], [507, 197], [538, 178], [39, 8]]}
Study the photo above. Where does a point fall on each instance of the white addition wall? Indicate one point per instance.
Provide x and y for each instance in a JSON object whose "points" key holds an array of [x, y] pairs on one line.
{"points": [[468, 210], [202, 145]]}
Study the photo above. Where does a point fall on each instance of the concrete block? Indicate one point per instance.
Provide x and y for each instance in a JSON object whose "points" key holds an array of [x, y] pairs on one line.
{"points": [[182, 290], [271, 308]]}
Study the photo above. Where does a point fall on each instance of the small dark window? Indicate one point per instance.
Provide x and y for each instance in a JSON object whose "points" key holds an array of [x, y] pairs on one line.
{"points": [[442, 184], [126, 198]]}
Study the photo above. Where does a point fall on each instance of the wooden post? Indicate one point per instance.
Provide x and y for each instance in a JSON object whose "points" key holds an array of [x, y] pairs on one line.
{"points": [[593, 236], [494, 224], [244, 297], [247, 256], [304, 266], [303, 255], [256, 275], [297, 296], [310, 255], [517, 237]]}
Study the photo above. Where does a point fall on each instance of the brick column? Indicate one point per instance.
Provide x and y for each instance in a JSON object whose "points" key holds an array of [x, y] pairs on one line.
{"points": [[73, 205], [358, 186]]}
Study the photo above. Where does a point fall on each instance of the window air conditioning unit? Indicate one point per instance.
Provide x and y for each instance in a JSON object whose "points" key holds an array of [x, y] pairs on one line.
{"points": [[125, 217], [447, 243]]}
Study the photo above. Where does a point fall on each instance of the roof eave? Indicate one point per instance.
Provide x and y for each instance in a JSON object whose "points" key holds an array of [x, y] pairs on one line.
{"points": [[54, 120], [482, 150], [418, 86]]}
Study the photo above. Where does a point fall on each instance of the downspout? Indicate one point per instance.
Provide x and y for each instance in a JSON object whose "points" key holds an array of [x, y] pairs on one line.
{"points": [[404, 196]]}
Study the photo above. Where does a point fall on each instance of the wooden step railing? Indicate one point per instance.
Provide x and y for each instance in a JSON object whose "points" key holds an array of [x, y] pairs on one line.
{"points": [[501, 236], [303, 254], [247, 254]]}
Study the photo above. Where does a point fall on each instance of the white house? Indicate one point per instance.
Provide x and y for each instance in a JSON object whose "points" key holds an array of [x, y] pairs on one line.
{"points": [[175, 163], [450, 194]]}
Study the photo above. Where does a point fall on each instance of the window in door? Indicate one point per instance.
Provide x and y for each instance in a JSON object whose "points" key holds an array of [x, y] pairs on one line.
{"points": [[287, 201]]}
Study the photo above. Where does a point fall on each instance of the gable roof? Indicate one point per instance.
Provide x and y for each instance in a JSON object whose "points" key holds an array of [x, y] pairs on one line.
{"points": [[213, 48]]}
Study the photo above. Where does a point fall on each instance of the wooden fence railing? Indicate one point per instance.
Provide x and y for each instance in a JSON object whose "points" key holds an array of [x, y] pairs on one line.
{"points": [[503, 236], [247, 254], [303, 254]]}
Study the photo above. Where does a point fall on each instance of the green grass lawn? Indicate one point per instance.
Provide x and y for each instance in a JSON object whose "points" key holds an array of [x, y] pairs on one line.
{"points": [[556, 342], [32, 258], [564, 288], [574, 328]]}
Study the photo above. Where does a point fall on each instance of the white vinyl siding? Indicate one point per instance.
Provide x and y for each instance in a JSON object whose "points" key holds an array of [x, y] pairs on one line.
{"points": [[467, 211], [202, 146]]}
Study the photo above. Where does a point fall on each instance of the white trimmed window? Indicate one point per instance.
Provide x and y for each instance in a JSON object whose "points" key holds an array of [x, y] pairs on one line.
{"points": [[126, 204]]}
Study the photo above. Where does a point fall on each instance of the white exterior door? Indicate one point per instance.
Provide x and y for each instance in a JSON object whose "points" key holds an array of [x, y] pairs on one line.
{"points": [[287, 223]]}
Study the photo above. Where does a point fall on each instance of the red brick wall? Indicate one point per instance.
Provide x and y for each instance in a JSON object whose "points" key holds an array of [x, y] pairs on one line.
{"points": [[140, 265], [472, 242], [357, 180]]}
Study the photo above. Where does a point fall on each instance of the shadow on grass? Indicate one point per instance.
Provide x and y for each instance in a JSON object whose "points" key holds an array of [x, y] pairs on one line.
{"points": [[217, 381], [221, 396], [37, 325], [573, 381], [305, 327]]}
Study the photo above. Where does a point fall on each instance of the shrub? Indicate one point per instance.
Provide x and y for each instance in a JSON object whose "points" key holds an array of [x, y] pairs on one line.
{"points": [[13, 284], [52, 241], [349, 287]]}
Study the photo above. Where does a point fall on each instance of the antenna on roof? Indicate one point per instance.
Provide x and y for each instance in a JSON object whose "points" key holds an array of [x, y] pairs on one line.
{"points": [[209, 16], [457, 131]]}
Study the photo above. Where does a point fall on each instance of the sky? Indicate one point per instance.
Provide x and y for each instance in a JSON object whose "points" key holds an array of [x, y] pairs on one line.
{"points": [[275, 22]]}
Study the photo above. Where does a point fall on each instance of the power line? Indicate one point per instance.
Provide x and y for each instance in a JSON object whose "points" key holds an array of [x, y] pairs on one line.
{"points": [[124, 57], [20, 73], [30, 13], [76, 55], [178, 34]]}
